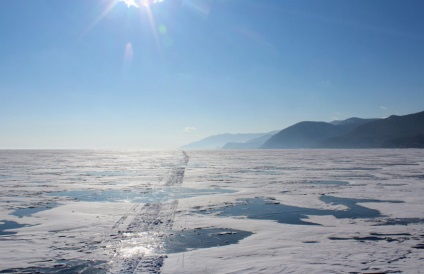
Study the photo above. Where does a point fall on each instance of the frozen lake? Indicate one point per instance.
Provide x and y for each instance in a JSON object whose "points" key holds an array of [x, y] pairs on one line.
{"points": [[257, 211]]}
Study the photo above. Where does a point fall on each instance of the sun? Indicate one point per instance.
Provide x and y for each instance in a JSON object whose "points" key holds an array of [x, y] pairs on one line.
{"points": [[147, 3], [139, 3], [131, 3]]}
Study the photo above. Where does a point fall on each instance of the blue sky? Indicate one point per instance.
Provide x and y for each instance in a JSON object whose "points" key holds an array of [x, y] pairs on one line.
{"points": [[77, 74]]}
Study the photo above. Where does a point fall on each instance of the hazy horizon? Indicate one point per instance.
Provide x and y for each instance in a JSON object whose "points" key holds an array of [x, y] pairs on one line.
{"points": [[131, 75]]}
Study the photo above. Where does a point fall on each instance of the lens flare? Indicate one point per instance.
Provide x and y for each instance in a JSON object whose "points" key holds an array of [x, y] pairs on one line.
{"points": [[129, 53]]}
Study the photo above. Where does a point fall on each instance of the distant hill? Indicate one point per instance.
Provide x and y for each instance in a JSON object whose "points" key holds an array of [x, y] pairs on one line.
{"points": [[393, 132], [218, 141], [352, 123], [250, 144], [302, 135], [309, 134]]}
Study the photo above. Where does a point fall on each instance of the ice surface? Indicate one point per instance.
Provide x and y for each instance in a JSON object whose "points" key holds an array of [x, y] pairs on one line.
{"points": [[29, 211], [270, 209], [182, 241], [6, 227], [152, 196], [328, 182], [44, 232]]}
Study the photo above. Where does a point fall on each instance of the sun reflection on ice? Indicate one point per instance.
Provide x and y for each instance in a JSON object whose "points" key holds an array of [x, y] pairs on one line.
{"points": [[139, 244]]}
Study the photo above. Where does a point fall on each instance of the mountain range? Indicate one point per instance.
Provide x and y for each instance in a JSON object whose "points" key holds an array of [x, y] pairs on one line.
{"points": [[393, 132], [311, 134]]}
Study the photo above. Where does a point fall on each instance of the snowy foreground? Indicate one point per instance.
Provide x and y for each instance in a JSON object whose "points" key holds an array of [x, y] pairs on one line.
{"points": [[264, 211]]}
